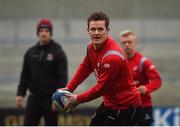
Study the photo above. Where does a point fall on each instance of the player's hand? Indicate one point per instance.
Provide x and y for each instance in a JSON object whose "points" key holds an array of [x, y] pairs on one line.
{"points": [[72, 102], [65, 88], [142, 90], [19, 101]]}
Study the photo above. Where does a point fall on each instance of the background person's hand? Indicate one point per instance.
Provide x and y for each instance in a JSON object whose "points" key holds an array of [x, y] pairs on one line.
{"points": [[19, 101]]}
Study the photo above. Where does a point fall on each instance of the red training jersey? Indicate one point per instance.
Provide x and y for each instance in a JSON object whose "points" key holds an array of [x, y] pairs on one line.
{"points": [[114, 78], [145, 73]]}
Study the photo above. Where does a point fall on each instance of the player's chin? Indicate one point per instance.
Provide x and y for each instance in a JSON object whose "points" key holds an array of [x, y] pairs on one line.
{"points": [[128, 51], [97, 41]]}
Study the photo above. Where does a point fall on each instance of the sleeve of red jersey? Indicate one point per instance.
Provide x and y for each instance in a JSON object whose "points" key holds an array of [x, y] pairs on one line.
{"points": [[153, 76], [81, 74], [108, 72]]}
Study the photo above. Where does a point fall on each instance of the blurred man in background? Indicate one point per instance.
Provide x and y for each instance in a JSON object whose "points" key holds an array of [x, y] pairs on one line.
{"points": [[44, 70], [145, 74], [114, 80]]}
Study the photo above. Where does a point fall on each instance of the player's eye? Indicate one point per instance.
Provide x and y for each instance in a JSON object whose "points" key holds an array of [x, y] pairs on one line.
{"points": [[93, 29], [100, 29], [129, 42], [123, 42]]}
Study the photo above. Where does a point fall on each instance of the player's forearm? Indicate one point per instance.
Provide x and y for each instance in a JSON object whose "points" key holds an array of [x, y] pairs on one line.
{"points": [[81, 74], [91, 94], [154, 85]]}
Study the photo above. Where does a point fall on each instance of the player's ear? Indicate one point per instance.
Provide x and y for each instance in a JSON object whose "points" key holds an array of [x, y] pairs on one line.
{"points": [[136, 41], [107, 31], [88, 30]]}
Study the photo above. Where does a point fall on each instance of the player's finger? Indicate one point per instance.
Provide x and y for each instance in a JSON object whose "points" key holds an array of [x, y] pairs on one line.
{"points": [[68, 96], [66, 89], [67, 106]]}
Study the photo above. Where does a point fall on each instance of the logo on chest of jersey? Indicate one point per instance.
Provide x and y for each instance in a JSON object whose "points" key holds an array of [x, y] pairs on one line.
{"points": [[107, 65], [96, 74], [49, 57]]}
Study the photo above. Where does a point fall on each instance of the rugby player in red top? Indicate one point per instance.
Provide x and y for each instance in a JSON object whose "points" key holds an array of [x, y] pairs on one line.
{"points": [[145, 74], [114, 80]]}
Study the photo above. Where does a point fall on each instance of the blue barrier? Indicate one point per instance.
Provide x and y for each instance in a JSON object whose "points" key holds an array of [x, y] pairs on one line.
{"points": [[166, 116]]}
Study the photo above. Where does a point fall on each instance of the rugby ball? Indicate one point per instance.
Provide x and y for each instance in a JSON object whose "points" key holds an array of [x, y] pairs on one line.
{"points": [[59, 99]]}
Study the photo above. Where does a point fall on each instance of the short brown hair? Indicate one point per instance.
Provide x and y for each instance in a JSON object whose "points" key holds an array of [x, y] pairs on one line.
{"points": [[98, 16]]}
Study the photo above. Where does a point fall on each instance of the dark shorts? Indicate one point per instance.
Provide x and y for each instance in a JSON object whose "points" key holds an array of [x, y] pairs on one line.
{"points": [[108, 117], [146, 116]]}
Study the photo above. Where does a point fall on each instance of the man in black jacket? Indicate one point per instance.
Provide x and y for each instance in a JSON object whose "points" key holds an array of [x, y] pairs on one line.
{"points": [[44, 70]]}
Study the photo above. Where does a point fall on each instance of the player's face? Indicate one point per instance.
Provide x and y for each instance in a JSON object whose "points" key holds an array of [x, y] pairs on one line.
{"points": [[44, 35], [128, 44], [98, 32]]}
